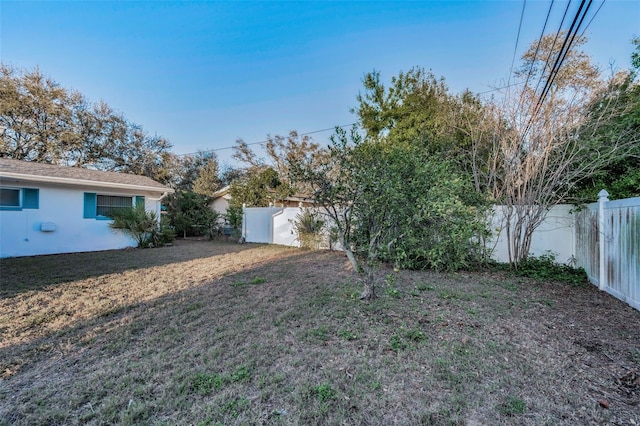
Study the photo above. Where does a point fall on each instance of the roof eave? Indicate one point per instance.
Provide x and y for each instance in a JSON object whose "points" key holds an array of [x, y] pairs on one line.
{"points": [[83, 182]]}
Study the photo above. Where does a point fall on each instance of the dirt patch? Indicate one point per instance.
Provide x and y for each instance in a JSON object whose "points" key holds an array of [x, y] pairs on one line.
{"points": [[212, 333]]}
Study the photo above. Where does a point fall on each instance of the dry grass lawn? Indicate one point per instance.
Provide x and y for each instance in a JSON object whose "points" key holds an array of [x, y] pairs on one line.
{"points": [[209, 333]]}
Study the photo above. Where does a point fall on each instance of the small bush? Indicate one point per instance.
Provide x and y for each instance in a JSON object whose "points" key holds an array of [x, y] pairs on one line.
{"points": [[308, 226], [324, 392], [142, 226], [545, 268]]}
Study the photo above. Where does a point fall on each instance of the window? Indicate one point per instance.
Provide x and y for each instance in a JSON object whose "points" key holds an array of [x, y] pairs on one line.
{"points": [[97, 206], [106, 205], [19, 198], [9, 197]]}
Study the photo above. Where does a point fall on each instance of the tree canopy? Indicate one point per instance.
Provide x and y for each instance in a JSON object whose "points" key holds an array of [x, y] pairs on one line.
{"points": [[48, 123], [391, 202]]}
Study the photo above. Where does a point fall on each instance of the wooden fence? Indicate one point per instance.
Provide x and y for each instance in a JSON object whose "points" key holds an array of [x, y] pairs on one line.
{"points": [[608, 246]]}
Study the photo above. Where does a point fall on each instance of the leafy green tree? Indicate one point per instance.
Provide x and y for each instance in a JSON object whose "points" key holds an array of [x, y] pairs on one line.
{"points": [[233, 217], [198, 173], [391, 203], [260, 188], [417, 108], [190, 215], [412, 109], [37, 114]]}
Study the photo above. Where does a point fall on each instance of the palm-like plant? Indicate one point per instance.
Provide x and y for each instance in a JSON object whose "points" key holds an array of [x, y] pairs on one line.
{"points": [[136, 222]]}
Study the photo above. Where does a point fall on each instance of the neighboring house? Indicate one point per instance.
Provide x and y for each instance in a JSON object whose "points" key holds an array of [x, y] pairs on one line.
{"points": [[46, 209], [221, 199]]}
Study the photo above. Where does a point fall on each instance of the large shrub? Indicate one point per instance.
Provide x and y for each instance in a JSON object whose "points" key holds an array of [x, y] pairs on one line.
{"points": [[427, 215], [190, 214]]}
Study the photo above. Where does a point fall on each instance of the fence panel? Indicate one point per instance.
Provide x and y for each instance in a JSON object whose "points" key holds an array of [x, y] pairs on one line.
{"points": [[555, 234], [257, 224], [587, 242], [622, 249], [283, 229], [617, 269]]}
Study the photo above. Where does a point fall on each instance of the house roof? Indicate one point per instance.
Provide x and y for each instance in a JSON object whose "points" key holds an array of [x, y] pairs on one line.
{"points": [[221, 192], [39, 172]]}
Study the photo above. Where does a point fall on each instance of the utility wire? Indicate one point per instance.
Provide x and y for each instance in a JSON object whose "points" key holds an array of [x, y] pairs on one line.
{"points": [[564, 50], [553, 45], [573, 37], [535, 54], [495, 89], [265, 141], [515, 49], [594, 15]]}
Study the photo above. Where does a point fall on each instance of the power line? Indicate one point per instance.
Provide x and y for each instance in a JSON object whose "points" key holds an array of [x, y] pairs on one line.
{"points": [[515, 49], [553, 45], [535, 55], [564, 50], [495, 89], [265, 141], [562, 54], [573, 37], [594, 15]]}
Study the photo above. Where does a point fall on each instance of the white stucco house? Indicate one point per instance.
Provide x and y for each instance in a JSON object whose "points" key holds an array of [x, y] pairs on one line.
{"points": [[46, 209], [220, 200]]}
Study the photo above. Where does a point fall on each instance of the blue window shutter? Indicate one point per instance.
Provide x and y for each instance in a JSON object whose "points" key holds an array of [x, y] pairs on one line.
{"points": [[89, 205], [30, 198], [139, 200]]}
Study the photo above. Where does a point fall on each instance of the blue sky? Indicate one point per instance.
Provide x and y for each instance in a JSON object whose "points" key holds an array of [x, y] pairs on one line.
{"points": [[203, 74]]}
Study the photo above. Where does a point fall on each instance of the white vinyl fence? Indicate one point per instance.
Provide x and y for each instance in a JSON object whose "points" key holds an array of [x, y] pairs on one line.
{"points": [[555, 234], [608, 246], [272, 225], [611, 257]]}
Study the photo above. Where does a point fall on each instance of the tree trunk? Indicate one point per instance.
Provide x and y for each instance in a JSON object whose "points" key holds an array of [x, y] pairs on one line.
{"points": [[369, 282], [366, 271]]}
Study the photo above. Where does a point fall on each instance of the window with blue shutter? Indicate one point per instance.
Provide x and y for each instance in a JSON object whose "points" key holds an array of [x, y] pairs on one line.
{"points": [[19, 198], [9, 199], [139, 200], [102, 207]]}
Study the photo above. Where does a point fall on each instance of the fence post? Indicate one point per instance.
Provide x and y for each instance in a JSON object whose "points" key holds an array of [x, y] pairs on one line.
{"points": [[244, 222], [602, 200]]}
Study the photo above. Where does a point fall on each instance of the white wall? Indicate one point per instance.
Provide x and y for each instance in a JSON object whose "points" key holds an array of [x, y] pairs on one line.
{"points": [[220, 204], [21, 235], [555, 234]]}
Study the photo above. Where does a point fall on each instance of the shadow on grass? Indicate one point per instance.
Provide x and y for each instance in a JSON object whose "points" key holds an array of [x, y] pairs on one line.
{"points": [[287, 341], [22, 274], [176, 344]]}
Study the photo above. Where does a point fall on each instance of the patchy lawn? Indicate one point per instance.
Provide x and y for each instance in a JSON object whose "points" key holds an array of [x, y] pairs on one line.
{"points": [[210, 333]]}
